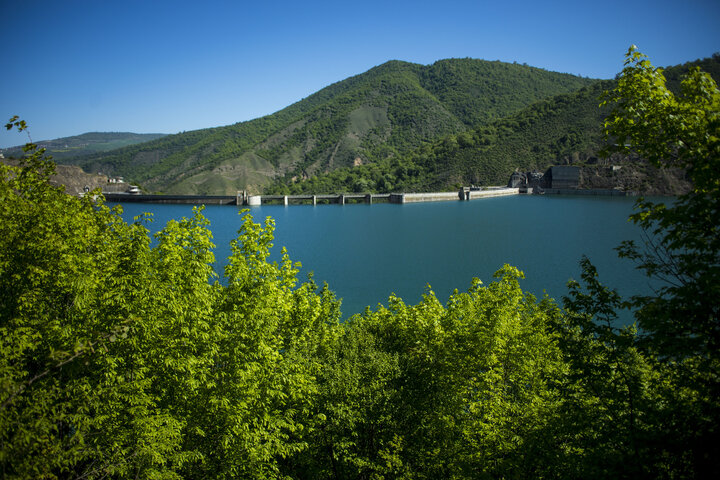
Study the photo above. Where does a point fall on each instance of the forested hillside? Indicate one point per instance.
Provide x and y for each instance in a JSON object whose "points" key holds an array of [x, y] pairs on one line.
{"points": [[561, 130], [383, 113]]}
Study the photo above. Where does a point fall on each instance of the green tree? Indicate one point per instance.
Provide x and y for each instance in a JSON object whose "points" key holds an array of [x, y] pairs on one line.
{"points": [[259, 401], [681, 322], [683, 238], [475, 387], [125, 358], [659, 386], [612, 419], [77, 396]]}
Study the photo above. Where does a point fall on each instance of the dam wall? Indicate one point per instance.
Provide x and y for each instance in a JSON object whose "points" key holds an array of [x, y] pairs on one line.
{"points": [[463, 194], [243, 199]]}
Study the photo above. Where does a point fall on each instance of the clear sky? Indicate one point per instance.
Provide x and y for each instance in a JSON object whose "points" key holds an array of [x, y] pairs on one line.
{"points": [[155, 66]]}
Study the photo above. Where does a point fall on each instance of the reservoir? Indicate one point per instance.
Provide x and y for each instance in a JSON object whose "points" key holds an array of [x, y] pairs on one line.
{"points": [[366, 252]]}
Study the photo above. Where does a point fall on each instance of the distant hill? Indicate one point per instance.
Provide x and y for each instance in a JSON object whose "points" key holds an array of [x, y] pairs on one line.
{"points": [[382, 114], [710, 65], [86, 144], [565, 129]]}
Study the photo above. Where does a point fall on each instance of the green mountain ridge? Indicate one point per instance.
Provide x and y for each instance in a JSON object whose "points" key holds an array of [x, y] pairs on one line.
{"points": [[384, 113]]}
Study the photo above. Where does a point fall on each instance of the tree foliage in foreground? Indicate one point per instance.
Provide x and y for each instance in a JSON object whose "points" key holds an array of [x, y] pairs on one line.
{"points": [[126, 359], [123, 356], [684, 238], [680, 323], [668, 372]]}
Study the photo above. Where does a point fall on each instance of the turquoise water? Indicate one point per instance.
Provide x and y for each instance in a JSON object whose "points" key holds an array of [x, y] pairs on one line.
{"points": [[365, 252]]}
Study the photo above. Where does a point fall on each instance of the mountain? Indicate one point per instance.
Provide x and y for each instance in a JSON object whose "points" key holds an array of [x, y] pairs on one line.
{"points": [[65, 148], [384, 113], [565, 129]]}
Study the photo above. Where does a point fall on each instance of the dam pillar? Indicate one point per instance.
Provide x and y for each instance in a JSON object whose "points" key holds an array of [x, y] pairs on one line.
{"points": [[314, 199], [254, 200], [368, 198], [341, 199], [285, 200]]}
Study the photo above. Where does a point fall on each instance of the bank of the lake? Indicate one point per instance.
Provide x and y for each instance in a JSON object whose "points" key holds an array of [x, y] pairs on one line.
{"points": [[366, 252]]}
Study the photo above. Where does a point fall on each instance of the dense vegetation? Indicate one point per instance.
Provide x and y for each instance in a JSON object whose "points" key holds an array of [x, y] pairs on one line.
{"points": [[123, 357], [87, 144], [383, 113], [559, 130]]}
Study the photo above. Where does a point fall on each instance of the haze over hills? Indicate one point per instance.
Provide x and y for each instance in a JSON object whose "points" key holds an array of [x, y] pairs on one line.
{"points": [[383, 113], [87, 144]]}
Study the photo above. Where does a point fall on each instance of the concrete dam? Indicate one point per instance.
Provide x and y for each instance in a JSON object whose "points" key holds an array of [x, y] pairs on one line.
{"points": [[242, 198]]}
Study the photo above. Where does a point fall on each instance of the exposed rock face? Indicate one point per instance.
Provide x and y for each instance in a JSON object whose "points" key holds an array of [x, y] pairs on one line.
{"points": [[641, 178], [76, 181], [517, 179], [629, 174]]}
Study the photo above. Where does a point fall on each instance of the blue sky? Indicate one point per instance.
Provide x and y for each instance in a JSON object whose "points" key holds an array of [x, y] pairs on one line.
{"points": [[70, 67]]}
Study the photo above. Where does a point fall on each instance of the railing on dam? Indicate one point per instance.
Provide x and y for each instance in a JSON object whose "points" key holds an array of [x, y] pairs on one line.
{"points": [[182, 199], [314, 199], [462, 194]]}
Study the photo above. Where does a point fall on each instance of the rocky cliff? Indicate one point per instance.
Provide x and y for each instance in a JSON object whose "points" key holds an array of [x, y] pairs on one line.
{"points": [[629, 174]]}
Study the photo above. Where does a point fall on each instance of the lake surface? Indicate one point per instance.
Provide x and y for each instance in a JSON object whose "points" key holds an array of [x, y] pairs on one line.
{"points": [[365, 252]]}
